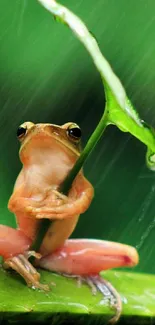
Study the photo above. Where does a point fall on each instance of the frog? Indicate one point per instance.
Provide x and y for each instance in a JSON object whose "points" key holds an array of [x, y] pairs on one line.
{"points": [[47, 153]]}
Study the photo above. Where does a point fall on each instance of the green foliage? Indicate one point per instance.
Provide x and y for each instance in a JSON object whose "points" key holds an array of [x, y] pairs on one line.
{"points": [[66, 302]]}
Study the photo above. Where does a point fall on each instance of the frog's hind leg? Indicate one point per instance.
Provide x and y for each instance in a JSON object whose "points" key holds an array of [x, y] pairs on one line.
{"points": [[12, 242], [87, 258], [14, 247]]}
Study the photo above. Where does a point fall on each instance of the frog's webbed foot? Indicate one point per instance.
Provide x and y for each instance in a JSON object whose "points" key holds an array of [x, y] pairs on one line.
{"points": [[96, 283], [22, 266], [109, 292]]}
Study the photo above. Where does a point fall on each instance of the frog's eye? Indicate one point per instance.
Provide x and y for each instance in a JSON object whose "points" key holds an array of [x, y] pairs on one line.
{"points": [[21, 132], [74, 132]]}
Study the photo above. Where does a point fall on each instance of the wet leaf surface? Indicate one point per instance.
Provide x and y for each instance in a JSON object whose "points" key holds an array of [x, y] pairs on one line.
{"points": [[66, 302]]}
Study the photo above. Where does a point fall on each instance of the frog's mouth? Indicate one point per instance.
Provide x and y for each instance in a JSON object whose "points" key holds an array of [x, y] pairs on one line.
{"points": [[49, 136]]}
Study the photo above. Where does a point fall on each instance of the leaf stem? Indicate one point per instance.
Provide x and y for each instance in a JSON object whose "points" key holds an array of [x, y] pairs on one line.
{"points": [[94, 138]]}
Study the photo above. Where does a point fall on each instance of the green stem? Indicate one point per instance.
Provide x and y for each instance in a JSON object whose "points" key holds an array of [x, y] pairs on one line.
{"points": [[96, 135], [44, 225]]}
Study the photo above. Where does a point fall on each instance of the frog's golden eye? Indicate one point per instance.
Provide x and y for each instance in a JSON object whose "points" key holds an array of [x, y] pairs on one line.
{"points": [[74, 132], [21, 131]]}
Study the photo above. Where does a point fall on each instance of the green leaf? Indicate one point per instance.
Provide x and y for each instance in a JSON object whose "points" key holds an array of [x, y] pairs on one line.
{"points": [[66, 302], [127, 120], [119, 110]]}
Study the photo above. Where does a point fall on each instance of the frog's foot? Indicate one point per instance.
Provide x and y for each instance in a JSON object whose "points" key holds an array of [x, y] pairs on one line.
{"points": [[98, 284], [80, 279], [109, 292], [22, 266]]}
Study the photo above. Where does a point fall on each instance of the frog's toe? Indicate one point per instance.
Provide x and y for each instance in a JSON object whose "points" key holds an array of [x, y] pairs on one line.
{"points": [[110, 294], [60, 196], [22, 266], [28, 254], [98, 284], [51, 216], [30, 210]]}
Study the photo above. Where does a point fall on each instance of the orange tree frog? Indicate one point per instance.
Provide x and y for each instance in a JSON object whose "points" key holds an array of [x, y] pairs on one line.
{"points": [[48, 153]]}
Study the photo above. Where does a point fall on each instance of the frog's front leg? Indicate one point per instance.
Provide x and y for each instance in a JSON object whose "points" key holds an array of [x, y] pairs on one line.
{"points": [[78, 201], [19, 203], [14, 246], [87, 258]]}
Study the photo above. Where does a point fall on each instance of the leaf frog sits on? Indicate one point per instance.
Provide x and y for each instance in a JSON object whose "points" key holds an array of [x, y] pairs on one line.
{"points": [[48, 153]]}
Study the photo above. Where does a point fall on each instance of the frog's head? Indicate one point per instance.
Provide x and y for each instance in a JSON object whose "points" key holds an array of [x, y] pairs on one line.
{"points": [[41, 140]]}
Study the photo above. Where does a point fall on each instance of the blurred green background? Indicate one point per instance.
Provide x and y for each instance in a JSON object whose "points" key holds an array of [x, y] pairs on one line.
{"points": [[47, 76]]}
